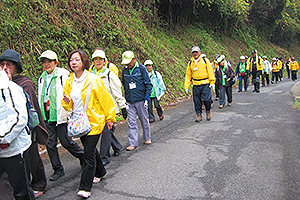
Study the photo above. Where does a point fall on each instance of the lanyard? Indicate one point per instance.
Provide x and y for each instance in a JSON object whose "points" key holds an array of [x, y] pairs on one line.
{"points": [[47, 88]]}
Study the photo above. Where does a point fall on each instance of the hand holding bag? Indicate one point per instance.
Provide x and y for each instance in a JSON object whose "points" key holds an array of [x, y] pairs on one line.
{"points": [[79, 125]]}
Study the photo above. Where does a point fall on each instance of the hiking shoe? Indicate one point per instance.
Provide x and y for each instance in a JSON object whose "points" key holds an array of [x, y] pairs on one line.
{"points": [[84, 194], [199, 118], [57, 174], [37, 193], [161, 117], [151, 120], [208, 115], [98, 179]]}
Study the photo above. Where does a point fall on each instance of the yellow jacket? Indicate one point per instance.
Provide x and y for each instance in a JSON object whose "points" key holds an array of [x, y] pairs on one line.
{"points": [[294, 66], [201, 73], [259, 63], [101, 108], [112, 67], [275, 66]]}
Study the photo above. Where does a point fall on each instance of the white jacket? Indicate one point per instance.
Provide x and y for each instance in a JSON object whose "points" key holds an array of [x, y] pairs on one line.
{"points": [[61, 75], [267, 66], [13, 118], [114, 87]]}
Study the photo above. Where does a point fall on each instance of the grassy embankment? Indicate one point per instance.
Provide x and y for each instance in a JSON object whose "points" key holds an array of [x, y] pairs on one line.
{"points": [[62, 26]]}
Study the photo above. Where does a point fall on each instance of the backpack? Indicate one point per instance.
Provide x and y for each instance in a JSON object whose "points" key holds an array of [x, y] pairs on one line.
{"points": [[33, 118]]}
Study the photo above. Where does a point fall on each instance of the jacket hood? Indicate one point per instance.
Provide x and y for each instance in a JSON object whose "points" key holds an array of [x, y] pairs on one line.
{"points": [[11, 55]]}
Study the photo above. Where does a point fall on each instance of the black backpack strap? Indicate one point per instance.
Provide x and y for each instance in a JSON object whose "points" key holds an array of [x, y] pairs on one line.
{"points": [[108, 76], [3, 96], [123, 71], [108, 65]]}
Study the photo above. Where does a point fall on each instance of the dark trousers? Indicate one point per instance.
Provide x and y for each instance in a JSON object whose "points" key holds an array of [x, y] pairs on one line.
{"points": [[241, 78], [91, 164], [217, 91], [18, 175], [109, 139], [275, 75], [157, 106], [60, 131], [265, 78], [228, 91], [37, 171], [256, 80], [294, 75], [201, 94], [280, 74], [288, 72]]}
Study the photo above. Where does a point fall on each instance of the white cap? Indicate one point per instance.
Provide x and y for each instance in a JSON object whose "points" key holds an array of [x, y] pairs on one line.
{"points": [[220, 59], [242, 58], [196, 48], [127, 56], [99, 54], [148, 62], [264, 56]]}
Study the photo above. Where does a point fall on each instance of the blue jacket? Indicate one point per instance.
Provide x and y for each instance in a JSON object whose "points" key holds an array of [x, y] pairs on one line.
{"points": [[138, 81]]}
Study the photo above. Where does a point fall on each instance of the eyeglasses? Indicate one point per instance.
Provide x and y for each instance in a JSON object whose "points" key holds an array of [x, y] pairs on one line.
{"points": [[8, 64]]}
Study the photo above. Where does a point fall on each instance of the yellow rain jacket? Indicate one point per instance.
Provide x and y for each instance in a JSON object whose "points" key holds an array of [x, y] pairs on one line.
{"points": [[275, 66], [259, 63], [101, 108], [294, 66], [201, 73]]}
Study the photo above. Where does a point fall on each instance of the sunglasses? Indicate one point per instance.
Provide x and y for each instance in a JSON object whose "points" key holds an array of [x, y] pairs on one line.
{"points": [[8, 64]]}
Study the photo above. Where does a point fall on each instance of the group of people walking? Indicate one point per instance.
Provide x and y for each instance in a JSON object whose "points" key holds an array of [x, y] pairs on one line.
{"points": [[95, 90], [219, 77]]}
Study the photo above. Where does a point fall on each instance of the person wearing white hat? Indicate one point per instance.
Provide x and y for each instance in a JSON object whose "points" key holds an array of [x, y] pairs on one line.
{"points": [[137, 87], [158, 90], [200, 73], [50, 92], [275, 70], [266, 71], [109, 65], [242, 73], [113, 85]]}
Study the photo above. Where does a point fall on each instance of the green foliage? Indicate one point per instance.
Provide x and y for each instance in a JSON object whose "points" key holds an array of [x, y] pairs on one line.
{"points": [[31, 27]]}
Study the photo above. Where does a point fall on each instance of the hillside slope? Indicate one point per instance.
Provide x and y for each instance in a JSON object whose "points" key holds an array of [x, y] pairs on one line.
{"points": [[33, 27]]}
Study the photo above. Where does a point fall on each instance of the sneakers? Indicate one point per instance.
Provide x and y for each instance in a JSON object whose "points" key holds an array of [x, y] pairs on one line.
{"points": [[161, 117], [148, 141], [208, 115], [37, 193], [57, 174], [84, 194], [221, 106], [229, 104], [151, 120], [199, 118], [98, 179]]}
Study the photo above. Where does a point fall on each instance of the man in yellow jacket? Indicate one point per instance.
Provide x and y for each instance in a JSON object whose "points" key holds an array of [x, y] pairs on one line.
{"points": [[294, 66], [255, 64], [200, 72]]}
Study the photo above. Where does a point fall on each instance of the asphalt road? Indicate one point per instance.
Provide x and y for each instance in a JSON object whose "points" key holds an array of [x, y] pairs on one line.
{"points": [[247, 151]]}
